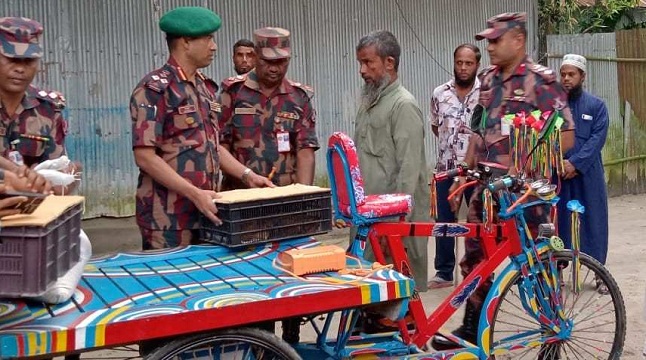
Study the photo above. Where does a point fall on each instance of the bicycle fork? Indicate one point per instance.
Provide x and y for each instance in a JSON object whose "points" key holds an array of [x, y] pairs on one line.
{"points": [[540, 294]]}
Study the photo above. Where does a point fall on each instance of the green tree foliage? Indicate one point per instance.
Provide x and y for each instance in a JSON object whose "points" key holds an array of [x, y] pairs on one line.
{"points": [[570, 17]]}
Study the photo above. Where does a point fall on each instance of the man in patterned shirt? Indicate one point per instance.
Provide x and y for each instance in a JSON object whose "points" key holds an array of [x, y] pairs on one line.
{"points": [[452, 104], [513, 84], [267, 121], [32, 128], [175, 135]]}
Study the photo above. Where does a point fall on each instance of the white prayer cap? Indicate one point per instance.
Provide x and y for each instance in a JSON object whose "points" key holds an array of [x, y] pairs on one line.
{"points": [[575, 60]]}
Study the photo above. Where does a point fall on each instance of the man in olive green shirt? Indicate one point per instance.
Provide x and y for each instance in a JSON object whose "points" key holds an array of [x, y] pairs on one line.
{"points": [[389, 135]]}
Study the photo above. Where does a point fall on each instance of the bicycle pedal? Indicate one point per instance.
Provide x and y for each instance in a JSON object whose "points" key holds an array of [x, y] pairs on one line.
{"points": [[556, 243]]}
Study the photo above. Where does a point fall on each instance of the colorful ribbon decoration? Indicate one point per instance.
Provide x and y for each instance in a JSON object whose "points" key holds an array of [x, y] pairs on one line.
{"points": [[487, 208], [433, 198], [524, 130], [576, 209]]}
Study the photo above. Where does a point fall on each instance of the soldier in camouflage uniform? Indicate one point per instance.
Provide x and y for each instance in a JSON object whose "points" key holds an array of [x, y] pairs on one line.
{"points": [[175, 135], [32, 128], [267, 121], [513, 84]]}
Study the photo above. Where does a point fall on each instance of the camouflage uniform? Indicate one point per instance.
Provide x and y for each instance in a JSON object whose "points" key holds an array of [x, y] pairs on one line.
{"points": [[530, 87], [251, 121], [37, 128], [177, 118]]}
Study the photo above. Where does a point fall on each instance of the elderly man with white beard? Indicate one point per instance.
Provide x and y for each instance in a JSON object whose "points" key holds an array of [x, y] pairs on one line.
{"points": [[389, 135]]}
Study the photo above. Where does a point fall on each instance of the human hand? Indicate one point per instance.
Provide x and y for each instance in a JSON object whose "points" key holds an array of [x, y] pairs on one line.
{"points": [[28, 180], [203, 201], [257, 181], [7, 204], [569, 171]]}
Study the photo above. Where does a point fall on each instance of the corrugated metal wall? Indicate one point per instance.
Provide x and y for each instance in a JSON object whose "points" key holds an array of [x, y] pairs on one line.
{"points": [[601, 80], [617, 74], [96, 52]]}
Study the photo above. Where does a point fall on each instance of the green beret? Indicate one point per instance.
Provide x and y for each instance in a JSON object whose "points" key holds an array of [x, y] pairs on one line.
{"points": [[190, 21]]}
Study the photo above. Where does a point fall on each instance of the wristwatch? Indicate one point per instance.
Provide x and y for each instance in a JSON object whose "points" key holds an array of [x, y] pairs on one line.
{"points": [[245, 176]]}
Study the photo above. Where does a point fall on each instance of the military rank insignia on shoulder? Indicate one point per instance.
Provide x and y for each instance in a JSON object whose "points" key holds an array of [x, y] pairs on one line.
{"points": [[54, 97], [230, 81], [487, 71], [546, 73], [308, 89], [157, 82]]}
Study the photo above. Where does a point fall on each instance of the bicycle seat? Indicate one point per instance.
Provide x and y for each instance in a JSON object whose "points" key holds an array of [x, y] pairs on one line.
{"points": [[348, 194]]}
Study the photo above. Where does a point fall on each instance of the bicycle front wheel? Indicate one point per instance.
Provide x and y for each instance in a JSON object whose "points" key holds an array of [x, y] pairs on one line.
{"points": [[596, 313]]}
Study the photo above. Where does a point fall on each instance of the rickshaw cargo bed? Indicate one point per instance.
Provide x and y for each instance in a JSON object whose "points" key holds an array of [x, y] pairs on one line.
{"points": [[254, 216]]}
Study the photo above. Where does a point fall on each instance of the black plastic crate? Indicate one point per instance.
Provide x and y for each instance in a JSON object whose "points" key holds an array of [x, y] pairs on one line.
{"points": [[261, 221], [33, 257]]}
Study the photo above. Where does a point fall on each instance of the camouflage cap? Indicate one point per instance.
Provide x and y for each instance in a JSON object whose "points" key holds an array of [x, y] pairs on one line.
{"points": [[20, 38], [498, 25], [272, 43]]}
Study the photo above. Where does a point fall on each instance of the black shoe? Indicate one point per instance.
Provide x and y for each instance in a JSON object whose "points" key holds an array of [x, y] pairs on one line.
{"points": [[440, 342], [376, 324], [468, 331]]}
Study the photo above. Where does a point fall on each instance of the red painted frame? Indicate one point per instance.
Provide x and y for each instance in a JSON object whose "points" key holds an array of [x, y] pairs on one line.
{"points": [[498, 243], [169, 326]]}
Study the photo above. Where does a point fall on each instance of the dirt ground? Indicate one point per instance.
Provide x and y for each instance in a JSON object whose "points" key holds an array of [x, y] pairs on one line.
{"points": [[625, 260]]}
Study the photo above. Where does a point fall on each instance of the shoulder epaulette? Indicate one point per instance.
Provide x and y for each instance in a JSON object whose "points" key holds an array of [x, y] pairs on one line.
{"points": [[230, 81], [54, 97], [548, 75], [157, 81], [486, 71], [309, 91]]}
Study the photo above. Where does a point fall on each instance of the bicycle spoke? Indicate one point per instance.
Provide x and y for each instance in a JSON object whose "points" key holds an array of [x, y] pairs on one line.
{"points": [[594, 340], [519, 328], [594, 326], [527, 351], [575, 296], [574, 352], [576, 343], [594, 316], [523, 327], [529, 338]]}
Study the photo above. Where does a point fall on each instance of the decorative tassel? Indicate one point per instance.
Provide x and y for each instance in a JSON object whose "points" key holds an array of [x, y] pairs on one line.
{"points": [[576, 209], [433, 198], [487, 208], [576, 245], [523, 137]]}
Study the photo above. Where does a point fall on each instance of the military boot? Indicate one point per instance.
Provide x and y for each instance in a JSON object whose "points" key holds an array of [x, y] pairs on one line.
{"points": [[468, 331]]}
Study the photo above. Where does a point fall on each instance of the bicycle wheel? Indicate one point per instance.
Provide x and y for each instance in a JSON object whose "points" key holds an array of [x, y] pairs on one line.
{"points": [[598, 320], [234, 344]]}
